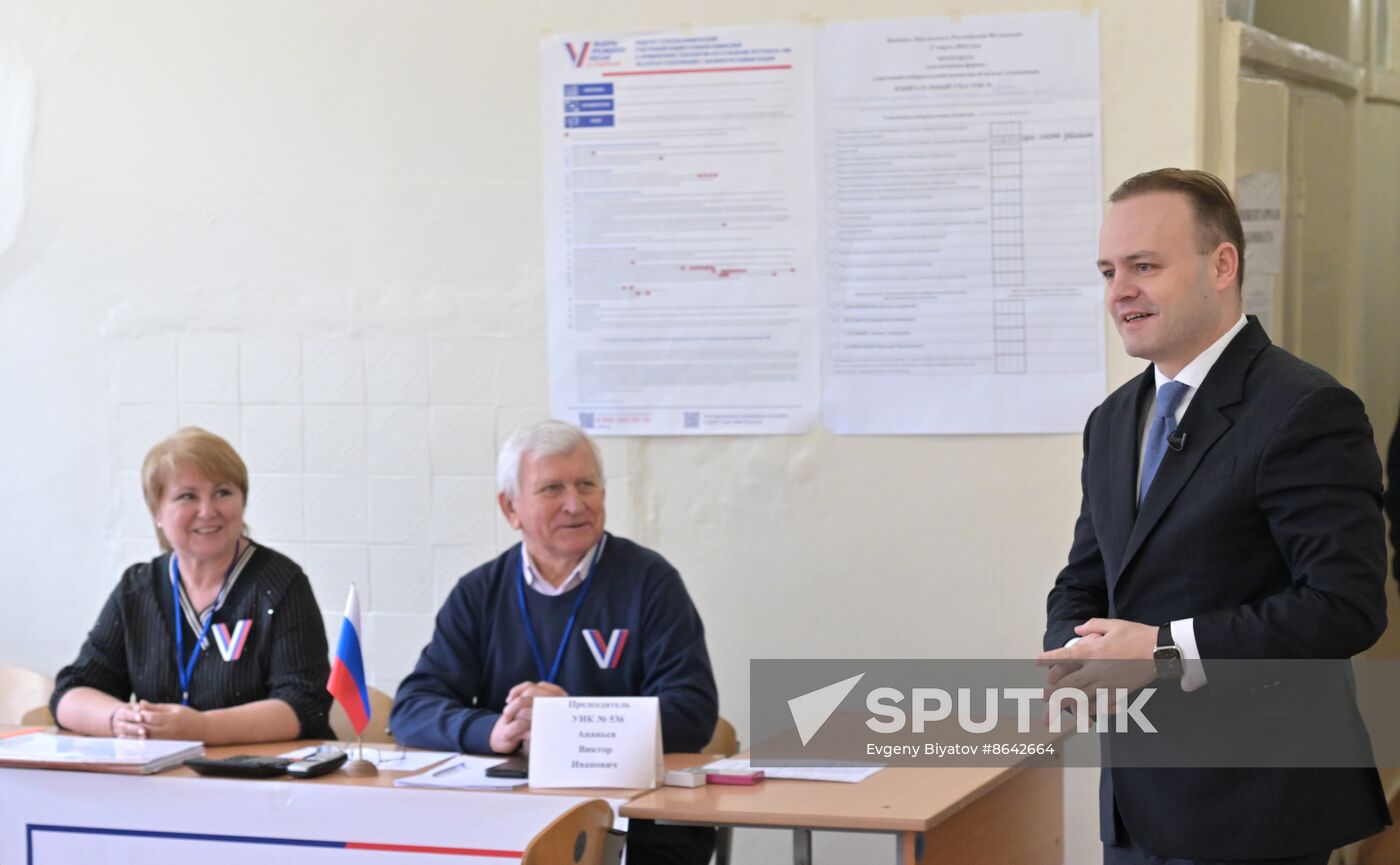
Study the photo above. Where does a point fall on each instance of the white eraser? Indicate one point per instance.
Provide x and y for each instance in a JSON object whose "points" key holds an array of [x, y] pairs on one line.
{"points": [[686, 777]]}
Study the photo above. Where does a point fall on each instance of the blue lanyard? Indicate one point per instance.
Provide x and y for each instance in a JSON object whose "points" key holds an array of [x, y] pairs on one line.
{"points": [[568, 629], [187, 670]]}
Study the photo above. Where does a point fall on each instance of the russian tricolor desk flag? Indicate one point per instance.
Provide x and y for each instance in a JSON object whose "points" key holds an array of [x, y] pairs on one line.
{"points": [[347, 682]]}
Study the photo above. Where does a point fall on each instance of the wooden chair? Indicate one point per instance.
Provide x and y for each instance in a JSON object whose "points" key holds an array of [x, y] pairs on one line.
{"points": [[576, 837], [38, 717], [724, 743], [378, 730], [23, 693]]}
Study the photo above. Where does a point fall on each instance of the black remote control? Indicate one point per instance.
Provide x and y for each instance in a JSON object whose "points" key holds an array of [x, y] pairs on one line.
{"points": [[317, 764]]}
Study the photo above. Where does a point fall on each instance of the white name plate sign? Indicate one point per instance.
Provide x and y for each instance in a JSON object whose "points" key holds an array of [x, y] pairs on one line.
{"points": [[595, 742]]}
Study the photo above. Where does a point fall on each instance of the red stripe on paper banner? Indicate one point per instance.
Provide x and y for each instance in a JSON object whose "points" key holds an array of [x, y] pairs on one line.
{"points": [[693, 71], [438, 851]]}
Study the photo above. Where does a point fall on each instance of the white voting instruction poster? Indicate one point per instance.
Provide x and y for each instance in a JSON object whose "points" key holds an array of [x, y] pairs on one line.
{"points": [[680, 223], [961, 187]]}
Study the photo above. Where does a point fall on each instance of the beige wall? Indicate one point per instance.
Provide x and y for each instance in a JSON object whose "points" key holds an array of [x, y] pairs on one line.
{"points": [[1378, 237], [1378, 276]]}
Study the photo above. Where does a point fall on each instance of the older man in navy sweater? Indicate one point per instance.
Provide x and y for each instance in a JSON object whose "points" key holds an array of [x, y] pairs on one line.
{"points": [[569, 610]]}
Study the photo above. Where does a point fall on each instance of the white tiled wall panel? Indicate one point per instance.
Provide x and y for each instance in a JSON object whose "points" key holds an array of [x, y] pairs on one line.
{"points": [[397, 641], [396, 370], [269, 370], [131, 502], [451, 563], [272, 438], [336, 509], [146, 369], [221, 419], [402, 579], [463, 440], [208, 369], [521, 377], [333, 371], [274, 510], [397, 441], [458, 515], [509, 419], [334, 439], [333, 568], [463, 372], [138, 427], [399, 510]]}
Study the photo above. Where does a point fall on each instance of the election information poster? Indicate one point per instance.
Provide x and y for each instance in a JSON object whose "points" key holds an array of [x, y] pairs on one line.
{"points": [[680, 214]]}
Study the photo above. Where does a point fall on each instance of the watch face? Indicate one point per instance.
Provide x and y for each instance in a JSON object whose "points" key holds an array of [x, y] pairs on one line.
{"points": [[1168, 660]]}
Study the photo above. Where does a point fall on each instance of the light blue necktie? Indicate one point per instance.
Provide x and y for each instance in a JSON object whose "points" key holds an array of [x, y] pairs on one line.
{"points": [[1163, 425]]}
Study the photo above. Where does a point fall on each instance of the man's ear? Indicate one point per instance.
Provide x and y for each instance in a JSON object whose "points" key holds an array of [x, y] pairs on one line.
{"points": [[508, 510], [1225, 266]]}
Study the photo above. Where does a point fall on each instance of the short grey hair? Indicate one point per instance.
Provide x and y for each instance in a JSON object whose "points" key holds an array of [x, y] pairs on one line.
{"points": [[546, 438]]}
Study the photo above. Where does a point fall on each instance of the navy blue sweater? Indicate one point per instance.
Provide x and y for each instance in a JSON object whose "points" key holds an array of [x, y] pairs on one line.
{"points": [[480, 650]]}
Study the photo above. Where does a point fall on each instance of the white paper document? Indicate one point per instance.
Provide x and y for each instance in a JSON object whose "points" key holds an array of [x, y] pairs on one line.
{"points": [[463, 772], [961, 189], [95, 753], [596, 742], [680, 225], [842, 774], [1260, 199], [388, 759]]}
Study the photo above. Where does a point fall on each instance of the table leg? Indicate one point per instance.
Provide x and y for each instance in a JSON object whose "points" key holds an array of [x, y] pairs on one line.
{"points": [[802, 847], [724, 844]]}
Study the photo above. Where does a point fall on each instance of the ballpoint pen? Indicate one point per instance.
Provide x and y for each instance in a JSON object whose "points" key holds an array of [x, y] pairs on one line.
{"points": [[446, 770]]}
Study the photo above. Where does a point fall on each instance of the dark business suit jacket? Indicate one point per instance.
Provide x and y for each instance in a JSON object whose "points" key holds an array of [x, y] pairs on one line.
{"points": [[1266, 528]]}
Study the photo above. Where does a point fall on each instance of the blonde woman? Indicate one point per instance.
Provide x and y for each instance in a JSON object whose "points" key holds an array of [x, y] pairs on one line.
{"points": [[218, 639]]}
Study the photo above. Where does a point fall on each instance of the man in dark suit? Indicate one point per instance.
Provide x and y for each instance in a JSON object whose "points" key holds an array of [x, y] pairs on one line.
{"points": [[1231, 510]]}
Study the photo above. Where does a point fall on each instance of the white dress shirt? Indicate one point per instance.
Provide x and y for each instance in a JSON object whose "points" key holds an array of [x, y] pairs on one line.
{"points": [[1193, 375], [575, 579]]}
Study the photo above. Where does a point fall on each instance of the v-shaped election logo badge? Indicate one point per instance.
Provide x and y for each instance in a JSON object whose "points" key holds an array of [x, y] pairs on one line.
{"points": [[231, 643], [811, 710], [606, 654]]}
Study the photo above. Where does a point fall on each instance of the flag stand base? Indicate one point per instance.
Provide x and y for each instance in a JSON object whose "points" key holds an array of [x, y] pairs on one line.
{"points": [[360, 769]]}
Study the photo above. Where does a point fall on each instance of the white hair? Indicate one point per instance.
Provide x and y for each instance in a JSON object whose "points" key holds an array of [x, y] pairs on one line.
{"points": [[546, 438]]}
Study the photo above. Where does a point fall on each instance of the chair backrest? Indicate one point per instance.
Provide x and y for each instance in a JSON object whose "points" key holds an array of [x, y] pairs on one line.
{"points": [[725, 741], [39, 716], [378, 730], [21, 692], [576, 837]]}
